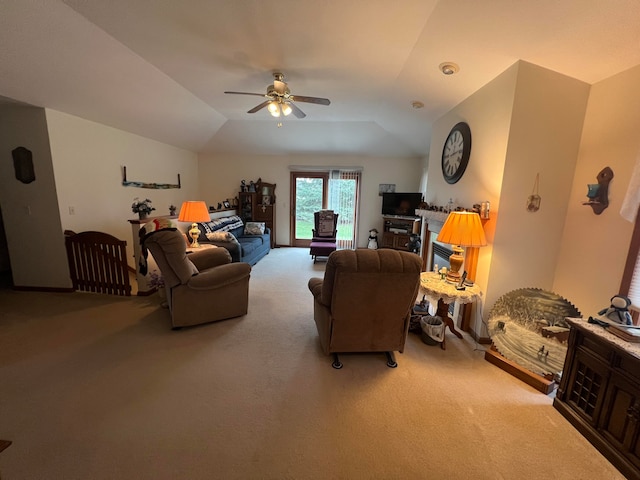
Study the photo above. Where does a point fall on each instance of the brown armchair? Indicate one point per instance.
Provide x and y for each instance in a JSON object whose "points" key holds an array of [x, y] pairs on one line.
{"points": [[364, 302], [203, 286]]}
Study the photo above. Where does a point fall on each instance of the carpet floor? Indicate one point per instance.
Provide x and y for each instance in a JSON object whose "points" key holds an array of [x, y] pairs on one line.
{"points": [[100, 387]]}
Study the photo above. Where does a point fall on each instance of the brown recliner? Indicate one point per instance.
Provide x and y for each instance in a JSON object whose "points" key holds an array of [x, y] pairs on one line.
{"points": [[364, 302], [203, 286]]}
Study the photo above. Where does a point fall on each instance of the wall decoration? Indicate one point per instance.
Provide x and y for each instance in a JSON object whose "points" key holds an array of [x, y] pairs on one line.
{"points": [[533, 200], [386, 188], [126, 183], [528, 327], [598, 193], [23, 164]]}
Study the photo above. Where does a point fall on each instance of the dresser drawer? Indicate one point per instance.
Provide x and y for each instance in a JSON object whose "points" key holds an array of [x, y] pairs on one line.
{"points": [[595, 346]]}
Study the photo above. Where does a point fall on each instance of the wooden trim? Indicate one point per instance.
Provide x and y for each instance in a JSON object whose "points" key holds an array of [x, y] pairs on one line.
{"points": [[292, 202], [536, 381], [23, 288]]}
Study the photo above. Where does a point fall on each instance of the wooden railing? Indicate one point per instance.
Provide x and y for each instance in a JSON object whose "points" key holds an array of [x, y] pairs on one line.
{"points": [[97, 262]]}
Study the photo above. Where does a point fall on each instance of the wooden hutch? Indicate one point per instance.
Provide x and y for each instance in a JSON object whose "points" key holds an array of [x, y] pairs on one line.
{"points": [[260, 206]]}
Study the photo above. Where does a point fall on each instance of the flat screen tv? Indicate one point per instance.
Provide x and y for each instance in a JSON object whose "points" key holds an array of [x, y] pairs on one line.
{"points": [[401, 203]]}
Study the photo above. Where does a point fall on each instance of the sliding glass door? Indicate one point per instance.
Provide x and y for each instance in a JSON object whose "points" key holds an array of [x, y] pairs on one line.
{"points": [[337, 190]]}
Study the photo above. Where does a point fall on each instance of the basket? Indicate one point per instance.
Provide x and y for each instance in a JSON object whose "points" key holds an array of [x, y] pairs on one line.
{"points": [[432, 330]]}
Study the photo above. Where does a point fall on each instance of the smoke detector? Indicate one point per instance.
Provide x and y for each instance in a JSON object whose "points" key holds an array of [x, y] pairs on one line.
{"points": [[449, 68]]}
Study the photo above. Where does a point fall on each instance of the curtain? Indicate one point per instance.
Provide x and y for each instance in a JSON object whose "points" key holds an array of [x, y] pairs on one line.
{"points": [[344, 199]]}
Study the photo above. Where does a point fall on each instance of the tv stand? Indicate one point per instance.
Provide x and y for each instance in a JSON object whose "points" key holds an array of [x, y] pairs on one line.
{"points": [[397, 231]]}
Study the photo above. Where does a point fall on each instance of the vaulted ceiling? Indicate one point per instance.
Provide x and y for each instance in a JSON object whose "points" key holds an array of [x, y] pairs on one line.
{"points": [[159, 68]]}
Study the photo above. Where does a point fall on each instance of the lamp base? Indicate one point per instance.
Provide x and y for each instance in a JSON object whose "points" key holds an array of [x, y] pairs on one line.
{"points": [[453, 277], [194, 232], [455, 262]]}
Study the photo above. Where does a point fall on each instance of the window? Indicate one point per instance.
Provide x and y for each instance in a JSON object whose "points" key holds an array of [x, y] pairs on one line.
{"points": [[630, 285]]}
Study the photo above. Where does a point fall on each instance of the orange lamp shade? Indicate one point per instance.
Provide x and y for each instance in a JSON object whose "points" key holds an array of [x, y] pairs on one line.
{"points": [[194, 211], [464, 229]]}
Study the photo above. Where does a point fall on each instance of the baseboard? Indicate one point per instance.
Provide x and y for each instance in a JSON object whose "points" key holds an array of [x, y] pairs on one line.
{"points": [[43, 289], [479, 339]]}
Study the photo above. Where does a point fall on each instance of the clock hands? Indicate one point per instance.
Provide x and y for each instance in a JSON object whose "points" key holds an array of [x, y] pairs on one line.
{"points": [[448, 155]]}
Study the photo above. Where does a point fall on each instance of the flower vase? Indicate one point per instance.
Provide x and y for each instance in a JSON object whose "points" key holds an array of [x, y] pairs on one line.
{"points": [[142, 215]]}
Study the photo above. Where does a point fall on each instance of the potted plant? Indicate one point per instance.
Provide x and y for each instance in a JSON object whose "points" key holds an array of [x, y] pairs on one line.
{"points": [[142, 207]]}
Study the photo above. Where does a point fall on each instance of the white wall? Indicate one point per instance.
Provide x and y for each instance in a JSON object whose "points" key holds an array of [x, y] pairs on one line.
{"points": [[488, 113], [526, 121], [594, 247], [544, 138], [88, 159], [220, 178], [30, 211]]}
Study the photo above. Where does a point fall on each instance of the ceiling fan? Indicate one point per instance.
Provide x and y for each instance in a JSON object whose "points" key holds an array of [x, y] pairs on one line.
{"points": [[280, 101]]}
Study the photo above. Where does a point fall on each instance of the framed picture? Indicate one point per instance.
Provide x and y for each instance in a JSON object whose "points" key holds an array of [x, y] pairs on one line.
{"points": [[386, 188], [226, 204], [266, 200]]}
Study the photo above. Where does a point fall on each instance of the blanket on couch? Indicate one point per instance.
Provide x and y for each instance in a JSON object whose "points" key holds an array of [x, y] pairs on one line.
{"points": [[246, 242]]}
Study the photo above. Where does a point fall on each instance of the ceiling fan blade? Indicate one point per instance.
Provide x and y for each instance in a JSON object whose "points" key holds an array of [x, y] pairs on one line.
{"points": [[259, 107], [247, 93], [316, 100], [296, 111]]}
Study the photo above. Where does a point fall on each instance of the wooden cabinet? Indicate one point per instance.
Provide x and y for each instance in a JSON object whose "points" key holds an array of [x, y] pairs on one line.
{"points": [[600, 394], [259, 206], [397, 231]]}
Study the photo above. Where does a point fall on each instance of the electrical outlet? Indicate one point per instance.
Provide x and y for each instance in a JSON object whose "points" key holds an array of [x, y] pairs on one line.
{"points": [[72, 210]]}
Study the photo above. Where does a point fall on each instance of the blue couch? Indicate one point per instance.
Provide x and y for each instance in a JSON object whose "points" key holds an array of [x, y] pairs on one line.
{"points": [[243, 246]]}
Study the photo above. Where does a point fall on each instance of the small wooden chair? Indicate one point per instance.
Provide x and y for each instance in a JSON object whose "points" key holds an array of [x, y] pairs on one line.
{"points": [[324, 234]]}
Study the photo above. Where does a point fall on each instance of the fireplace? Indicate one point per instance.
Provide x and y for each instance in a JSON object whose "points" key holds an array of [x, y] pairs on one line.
{"points": [[440, 255]]}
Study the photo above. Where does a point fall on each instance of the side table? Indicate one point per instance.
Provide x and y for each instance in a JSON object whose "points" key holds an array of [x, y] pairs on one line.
{"points": [[444, 293], [203, 246]]}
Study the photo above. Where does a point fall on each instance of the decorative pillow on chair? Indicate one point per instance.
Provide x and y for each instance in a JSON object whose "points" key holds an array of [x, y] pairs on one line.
{"points": [[254, 228]]}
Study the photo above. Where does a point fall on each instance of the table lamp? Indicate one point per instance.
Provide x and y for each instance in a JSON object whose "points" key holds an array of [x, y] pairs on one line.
{"points": [[461, 229], [194, 211]]}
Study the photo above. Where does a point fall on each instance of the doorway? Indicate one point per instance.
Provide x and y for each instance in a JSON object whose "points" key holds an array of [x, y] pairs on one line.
{"points": [[337, 190]]}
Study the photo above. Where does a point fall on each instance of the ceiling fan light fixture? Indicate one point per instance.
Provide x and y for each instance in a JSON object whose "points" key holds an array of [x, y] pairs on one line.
{"points": [[286, 109], [449, 68], [274, 109]]}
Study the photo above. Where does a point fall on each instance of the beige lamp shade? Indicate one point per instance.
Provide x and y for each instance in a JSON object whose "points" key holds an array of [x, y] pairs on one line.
{"points": [[461, 229], [194, 211]]}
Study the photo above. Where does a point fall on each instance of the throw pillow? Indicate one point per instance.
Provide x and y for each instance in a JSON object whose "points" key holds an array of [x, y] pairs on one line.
{"points": [[254, 228], [220, 236]]}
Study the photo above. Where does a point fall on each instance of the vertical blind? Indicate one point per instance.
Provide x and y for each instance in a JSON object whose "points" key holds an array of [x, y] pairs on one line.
{"points": [[634, 288], [344, 199]]}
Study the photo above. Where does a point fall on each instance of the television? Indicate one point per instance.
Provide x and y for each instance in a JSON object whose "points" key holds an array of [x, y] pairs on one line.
{"points": [[404, 204]]}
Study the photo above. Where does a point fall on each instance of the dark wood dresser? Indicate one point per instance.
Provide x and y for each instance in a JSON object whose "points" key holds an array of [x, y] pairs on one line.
{"points": [[600, 393]]}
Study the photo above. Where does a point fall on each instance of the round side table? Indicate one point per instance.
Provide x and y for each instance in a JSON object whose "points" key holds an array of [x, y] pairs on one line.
{"points": [[444, 293]]}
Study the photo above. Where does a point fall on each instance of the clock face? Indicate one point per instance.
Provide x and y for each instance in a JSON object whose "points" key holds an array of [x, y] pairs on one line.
{"points": [[456, 151]]}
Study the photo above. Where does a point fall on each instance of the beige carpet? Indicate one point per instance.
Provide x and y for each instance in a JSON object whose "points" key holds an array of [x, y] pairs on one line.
{"points": [[99, 387]]}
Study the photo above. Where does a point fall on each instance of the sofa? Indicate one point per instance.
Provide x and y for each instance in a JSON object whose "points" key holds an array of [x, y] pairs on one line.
{"points": [[245, 242]]}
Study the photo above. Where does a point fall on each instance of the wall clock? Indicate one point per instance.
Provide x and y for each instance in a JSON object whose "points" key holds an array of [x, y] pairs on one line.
{"points": [[455, 153]]}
